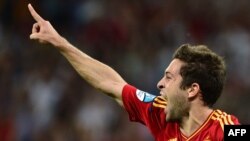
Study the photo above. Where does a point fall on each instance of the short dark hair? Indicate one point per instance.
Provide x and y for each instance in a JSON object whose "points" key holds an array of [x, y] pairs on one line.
{"points": [[203, 66]]}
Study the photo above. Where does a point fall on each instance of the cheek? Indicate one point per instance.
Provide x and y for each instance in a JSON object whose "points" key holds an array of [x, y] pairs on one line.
{"points": [[171, 90], [181, 102], [179, 98]]}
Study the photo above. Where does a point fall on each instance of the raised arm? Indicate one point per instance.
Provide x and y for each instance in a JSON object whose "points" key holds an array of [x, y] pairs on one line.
{"points": [[97, 74]]}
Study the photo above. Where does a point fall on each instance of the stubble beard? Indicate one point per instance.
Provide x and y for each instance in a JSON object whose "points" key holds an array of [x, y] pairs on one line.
{"points": [[178, 110]]}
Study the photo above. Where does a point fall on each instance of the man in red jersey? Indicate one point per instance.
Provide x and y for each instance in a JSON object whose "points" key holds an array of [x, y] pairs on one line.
{"points": [[191, 84]]}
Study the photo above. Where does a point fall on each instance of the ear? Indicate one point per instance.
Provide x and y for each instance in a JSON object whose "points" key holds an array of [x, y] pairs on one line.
{"points": [[193, 90]]}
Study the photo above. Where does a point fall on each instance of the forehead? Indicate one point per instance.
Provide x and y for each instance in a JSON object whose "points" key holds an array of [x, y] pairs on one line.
{"points": [[174, 67]]}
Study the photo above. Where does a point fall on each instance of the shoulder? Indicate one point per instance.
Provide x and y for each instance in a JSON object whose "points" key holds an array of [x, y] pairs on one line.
{"points": [[222, 118], [159, 102], [217, 121]]}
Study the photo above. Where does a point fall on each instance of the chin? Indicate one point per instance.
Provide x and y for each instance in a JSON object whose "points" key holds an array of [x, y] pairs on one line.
{"points": [[170, 118]]}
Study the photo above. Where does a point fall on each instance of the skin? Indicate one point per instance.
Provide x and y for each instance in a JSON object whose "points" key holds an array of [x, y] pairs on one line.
{"points": [[184, 106], [178, 102]]}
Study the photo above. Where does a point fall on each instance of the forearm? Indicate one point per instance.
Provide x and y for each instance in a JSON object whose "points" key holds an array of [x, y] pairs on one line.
{"points": [[97, 74]]}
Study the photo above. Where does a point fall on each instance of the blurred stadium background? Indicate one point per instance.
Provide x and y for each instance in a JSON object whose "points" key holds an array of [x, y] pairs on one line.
{"points": [[43, 99]]}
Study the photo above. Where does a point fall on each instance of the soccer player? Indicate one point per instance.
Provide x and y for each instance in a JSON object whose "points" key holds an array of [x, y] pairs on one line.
{"points": [[191, 84]]}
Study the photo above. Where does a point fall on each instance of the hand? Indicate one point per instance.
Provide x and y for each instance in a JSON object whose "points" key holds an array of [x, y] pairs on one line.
{"points": [[43, 31]]}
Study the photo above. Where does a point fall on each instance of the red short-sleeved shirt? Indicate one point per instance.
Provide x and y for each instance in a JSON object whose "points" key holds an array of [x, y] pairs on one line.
{"points": [[149, 110]]}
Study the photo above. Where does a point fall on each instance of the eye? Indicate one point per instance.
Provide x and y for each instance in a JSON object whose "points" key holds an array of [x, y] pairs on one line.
{"points": [[168, 77]]}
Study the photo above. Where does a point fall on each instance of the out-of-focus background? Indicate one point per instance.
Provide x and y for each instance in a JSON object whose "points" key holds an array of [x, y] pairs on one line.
{"points": [[43, 99]]}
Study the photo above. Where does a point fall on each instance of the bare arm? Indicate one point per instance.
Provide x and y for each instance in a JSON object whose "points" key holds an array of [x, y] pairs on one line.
{"points": [[97, 74]]}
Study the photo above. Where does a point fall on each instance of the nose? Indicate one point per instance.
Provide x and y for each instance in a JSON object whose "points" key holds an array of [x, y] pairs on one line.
{"points": [[160, 84]]}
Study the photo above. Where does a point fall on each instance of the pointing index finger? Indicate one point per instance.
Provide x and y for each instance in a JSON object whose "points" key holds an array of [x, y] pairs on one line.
{"points": [[34, 14]]}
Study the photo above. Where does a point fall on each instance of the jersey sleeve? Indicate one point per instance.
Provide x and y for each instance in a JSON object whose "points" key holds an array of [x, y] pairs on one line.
{"points": [[145, 108], [135, 104], [142, 106]]}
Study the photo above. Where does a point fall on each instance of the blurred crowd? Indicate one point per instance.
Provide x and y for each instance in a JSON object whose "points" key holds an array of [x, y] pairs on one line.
{"points": [[43, 99]]}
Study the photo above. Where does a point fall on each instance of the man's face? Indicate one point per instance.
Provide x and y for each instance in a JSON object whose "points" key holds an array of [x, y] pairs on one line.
{"points": [[177, 99]]}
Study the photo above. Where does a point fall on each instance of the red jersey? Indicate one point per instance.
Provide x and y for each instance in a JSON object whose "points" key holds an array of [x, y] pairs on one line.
{"points": [[149, 110]]}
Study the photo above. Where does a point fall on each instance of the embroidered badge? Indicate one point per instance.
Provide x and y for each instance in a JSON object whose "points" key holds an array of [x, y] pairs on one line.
{"points": [[144, 96]]}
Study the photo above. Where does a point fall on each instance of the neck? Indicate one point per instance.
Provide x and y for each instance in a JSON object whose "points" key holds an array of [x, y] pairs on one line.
{"points": [[195, 119]]}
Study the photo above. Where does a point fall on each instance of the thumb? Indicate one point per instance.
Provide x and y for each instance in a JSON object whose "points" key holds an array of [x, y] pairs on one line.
{"points": [[34, 36]]}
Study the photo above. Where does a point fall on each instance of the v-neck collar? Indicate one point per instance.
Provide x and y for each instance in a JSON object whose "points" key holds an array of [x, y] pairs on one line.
{"points": [[197, 130]]}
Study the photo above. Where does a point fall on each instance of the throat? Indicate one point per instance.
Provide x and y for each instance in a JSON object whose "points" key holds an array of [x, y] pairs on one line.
{"points": [[193, 123], [188, 129]]}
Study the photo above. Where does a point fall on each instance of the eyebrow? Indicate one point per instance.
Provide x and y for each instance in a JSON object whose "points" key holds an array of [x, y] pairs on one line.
{"points": [[167, 72]]}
